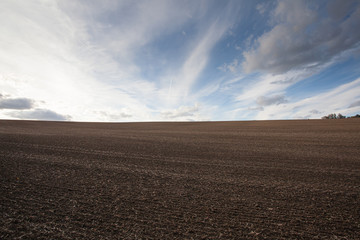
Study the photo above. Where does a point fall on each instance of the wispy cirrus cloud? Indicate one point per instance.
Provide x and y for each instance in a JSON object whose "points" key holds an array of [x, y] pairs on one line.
{"points": [[126, 61], [102, 69], [195, 63]]}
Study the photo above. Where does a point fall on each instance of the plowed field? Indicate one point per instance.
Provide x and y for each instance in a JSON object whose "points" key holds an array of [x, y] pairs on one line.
{"points": [[209, 180]]}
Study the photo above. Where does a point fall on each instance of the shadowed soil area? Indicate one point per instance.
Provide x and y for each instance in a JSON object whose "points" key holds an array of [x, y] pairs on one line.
{"points": [[207, 180]]}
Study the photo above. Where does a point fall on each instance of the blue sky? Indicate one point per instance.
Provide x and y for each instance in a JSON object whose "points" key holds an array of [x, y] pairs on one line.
{"points": [[178, 60]]}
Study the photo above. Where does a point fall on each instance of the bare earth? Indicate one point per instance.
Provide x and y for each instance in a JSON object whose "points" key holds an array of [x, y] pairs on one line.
{"points": [[210, 180]]}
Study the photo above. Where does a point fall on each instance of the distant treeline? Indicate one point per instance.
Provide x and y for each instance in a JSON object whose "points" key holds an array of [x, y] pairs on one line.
{"points": [[339, 116]]}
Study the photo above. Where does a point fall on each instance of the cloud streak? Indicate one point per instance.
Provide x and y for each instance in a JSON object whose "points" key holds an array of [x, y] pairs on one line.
{"points": [[355, 104]]}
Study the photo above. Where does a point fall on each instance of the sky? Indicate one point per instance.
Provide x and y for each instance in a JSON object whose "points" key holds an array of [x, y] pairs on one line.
{"points": [[163, 60]]}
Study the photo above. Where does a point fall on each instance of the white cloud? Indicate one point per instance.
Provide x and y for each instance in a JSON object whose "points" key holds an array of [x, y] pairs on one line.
{"points": [[182, 113], [260, 108], [39, 114], [261, 8], [86, 59], [336, 100], [148, 21], [355, 104], [114, 116], [338, 9], [301, 38], [15, 103], [121, 29], [197, 59], [268, 84], [271, 100], [38, 59], [231, 67], [63, 56]]}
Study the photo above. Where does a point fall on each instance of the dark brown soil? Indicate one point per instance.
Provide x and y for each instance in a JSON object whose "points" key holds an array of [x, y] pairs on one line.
{"points": [[210, 180]]}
